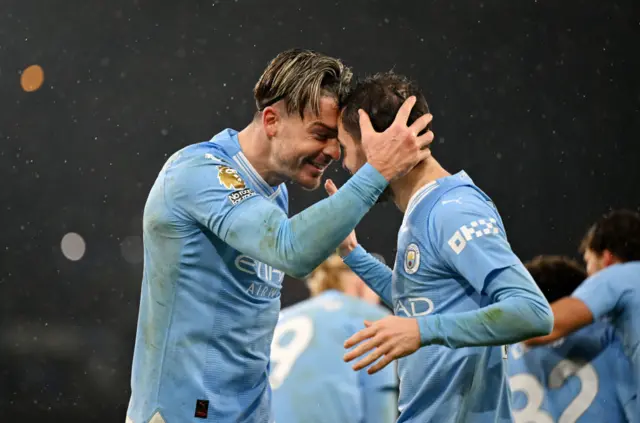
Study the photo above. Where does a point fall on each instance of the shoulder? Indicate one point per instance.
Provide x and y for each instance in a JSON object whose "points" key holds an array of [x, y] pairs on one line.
{"points": [[361, 309], [463, 210], [461, 203], [201, 165], [604, 276], [630, 271]]}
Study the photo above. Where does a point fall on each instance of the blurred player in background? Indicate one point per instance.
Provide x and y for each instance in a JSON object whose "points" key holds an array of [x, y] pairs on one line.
{"points": [[218, 241], [611, 249], [311, 382], [457, 290], [574, 379]]}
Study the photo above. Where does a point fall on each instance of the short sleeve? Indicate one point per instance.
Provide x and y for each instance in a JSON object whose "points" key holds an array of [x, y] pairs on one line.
{"points": [[468, 234], [206, 190], [600, 293]]}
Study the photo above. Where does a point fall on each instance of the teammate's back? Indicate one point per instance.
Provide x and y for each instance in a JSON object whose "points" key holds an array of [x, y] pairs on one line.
{"points": [[310, 380], [582, 377], [575, 379]]}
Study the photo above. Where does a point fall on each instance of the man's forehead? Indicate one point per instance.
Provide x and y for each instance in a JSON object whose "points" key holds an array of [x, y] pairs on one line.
{"points": [[327, 113]]}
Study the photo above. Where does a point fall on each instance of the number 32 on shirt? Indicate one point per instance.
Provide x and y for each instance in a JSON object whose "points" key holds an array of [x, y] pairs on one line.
{"points": [[535, 392]]}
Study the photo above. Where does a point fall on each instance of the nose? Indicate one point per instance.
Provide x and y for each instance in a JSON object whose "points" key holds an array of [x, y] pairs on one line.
{"points": [[332, 149]]}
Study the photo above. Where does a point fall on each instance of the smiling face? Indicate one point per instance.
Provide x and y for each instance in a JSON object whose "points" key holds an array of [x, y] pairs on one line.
{"points": [[304, 147]]}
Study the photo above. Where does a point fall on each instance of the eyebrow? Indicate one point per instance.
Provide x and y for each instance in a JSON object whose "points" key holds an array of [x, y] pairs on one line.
{"points": [[332, 131]]}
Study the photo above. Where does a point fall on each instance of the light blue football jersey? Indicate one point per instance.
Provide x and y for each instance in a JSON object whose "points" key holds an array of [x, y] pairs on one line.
{"points": [[202, 346], [573, 380], [614, 293], [311, 383], [451, 239], [217, 241]]}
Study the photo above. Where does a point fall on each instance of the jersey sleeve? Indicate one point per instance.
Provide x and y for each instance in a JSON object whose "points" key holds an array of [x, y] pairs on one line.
{"points": [[206, 190], [214, 195], [601, 294], [518, 311], [469, 237], [375, 274]]}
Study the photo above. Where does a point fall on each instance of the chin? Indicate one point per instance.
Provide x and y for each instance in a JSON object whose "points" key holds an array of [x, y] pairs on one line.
{"points": [[308, 182]]}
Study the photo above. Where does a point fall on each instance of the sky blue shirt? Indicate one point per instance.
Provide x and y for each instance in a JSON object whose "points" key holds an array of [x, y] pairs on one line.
{"points": [[217, 244], [614, 293], [457, 275], [310, 380], [574, 379]]}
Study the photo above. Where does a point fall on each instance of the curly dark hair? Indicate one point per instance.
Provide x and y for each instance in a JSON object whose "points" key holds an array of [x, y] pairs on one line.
{"points": [[381, 96], [617, 232], [557, 276]]}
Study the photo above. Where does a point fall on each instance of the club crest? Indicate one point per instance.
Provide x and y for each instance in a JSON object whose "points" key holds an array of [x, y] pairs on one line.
{"points": [[411, 259]]}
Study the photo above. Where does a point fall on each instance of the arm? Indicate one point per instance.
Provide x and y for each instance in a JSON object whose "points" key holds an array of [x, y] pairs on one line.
{"points": [[470, 239], [375, 274], [595, 298], [519, 311], [569, 315], [255, 226]]}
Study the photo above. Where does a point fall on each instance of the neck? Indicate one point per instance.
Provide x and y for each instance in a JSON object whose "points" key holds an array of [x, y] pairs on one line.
{"points": [[425, 172], [256, 147]]}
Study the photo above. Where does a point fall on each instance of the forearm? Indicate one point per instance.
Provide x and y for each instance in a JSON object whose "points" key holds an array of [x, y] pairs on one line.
{"points": [[520, 312], [298, 245], [507, 322], [569, 315], [374, 273]]}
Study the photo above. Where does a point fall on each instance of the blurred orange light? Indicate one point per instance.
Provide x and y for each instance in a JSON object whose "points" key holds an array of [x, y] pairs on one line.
{"points": [[32, 78]]}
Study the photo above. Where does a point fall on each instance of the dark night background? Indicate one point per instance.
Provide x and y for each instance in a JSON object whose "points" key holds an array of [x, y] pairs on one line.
{"points": [[537, 100]]}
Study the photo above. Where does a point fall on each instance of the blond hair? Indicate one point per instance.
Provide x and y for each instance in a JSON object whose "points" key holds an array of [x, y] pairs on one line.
{"points": [[328, 276], [301, 78]]}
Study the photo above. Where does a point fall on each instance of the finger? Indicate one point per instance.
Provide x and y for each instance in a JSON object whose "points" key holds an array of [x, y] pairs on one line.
{"points": [[425, 139], [421, 123], [405, 110], [424, 154], [365, 122], [361, 349], [373, 356], [367, 323], [359, 337], [330, 187], [388, 358]]}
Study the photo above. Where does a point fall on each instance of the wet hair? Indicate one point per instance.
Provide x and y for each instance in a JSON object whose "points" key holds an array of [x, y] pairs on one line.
{"points": [[301, 78]]}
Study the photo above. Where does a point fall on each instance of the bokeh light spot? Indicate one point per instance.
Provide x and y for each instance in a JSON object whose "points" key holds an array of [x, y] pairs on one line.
{"points": [[32, 78], [73, 246]]}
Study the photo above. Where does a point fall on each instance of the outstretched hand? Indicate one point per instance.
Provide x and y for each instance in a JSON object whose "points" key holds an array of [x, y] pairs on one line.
{"points": [[399, 148], [390, 338]]}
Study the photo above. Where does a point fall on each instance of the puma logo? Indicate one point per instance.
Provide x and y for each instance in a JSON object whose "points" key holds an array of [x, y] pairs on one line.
{"points": [[457, 200]]}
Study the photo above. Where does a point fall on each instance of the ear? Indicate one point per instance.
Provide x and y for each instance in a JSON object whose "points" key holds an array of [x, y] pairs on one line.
{"points": [[270, 120], [608, 258]]}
